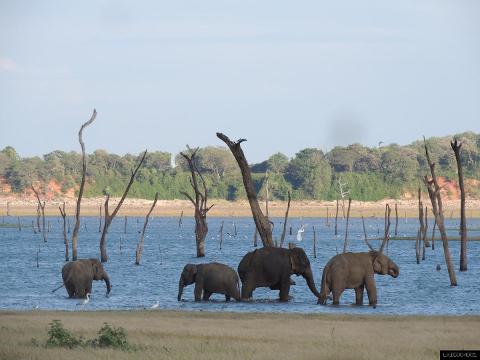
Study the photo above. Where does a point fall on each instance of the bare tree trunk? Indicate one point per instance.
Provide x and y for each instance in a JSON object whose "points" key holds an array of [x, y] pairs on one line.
{"points": [[336, 219], [282, 238], [138, 252], [424, 235], [42, 208], [261, 221], [109, 217], [65, 238], [76, 228], [180, 220], [345, 243], [396, 219], [19, 224], [100, 219], [255, 238], [434, 193], [266, 195], [314, 242], [417, 246], [33, 227], [456, 146], [328, 224], [420, 213], [199, 201], [221, 235], [39, 215], [125, 225], [433, 234]]}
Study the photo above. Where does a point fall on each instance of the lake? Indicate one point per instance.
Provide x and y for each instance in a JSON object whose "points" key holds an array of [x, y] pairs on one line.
{"points": [[420, 288]]}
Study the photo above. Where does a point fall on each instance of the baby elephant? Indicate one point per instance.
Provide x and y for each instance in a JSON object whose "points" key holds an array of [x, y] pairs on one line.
{"points": [[355, 271], [210, 278]]}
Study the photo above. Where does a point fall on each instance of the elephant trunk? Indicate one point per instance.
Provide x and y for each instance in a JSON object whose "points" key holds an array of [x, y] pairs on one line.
{"points": [[181, 285], [393, 270], [107, 283], [308, 275]]}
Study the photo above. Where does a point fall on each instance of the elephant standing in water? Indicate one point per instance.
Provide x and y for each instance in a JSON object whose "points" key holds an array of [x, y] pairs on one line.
{"points": [[209, 278], [355, 271], [272, 267], [78, 276]]}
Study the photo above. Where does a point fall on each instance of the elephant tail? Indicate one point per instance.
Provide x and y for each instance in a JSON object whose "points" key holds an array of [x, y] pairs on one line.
{"points": [[324, 290]]}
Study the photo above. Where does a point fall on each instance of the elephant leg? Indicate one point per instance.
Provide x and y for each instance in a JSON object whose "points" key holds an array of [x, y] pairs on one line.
{"points": [[284, 290], [198, 291], [336, 295], [359, 295], [206, 295], [227, 297], [371, 291]]}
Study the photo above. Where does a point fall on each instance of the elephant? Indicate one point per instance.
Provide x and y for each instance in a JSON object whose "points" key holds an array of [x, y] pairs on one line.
{"points": [[272, 267], [210, 278], [78, 276], [355, 271]]}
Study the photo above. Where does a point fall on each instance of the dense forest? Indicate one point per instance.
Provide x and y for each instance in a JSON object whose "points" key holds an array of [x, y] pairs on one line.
{"points": [[367, 173]]}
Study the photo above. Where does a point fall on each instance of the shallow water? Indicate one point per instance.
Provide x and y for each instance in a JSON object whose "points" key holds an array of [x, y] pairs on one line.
{"points": [[419, 289]]}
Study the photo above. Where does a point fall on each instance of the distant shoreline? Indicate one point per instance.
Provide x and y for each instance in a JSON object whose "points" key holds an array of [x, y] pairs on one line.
{"points": [[223, 208]]}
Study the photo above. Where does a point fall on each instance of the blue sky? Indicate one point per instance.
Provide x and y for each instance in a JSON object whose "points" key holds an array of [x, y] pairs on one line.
{"points": [[285, 75]]}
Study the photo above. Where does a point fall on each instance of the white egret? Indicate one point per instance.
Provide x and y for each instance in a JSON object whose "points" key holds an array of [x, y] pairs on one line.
{"points": [[156, 305], [300, 232], [85, 302]]}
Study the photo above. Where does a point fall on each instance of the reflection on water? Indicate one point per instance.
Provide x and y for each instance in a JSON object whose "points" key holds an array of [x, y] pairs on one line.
{"points": [[419, 289]]}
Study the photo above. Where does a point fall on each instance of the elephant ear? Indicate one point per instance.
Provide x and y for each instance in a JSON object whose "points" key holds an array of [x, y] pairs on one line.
{"points": [[298, 260], [377, 265]]}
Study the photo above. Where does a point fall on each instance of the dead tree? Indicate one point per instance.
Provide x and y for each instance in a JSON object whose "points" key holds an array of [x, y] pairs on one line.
{"points": [[417, 246], [424, 235], [39, 215], [336, 219], [255, 238], [221, 235], [65, 238], [42, 209], [199, 201], [180, 220], [456, 146], [345, 243], [437, 207], [266, 195], [100, 218], [420, 220], [76, 228], [261, 221], [396, 219], [138, 251], [284, 230], [109, 217], [433, 234], [314, 242]]}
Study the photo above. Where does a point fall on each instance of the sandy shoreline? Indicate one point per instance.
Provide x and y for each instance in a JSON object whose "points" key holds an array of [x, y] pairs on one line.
{"points": [[223, 208]]}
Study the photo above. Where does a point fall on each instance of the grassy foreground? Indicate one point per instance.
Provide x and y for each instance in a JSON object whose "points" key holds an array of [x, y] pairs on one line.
{"points": [[201, 335]]}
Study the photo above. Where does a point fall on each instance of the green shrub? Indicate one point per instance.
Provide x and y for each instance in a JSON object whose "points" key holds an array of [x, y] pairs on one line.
{"points": [[112, 337], [59, 336]]}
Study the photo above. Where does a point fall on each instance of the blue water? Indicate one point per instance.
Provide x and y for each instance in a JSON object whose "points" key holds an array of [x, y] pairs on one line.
{"points": [[419, 289]]}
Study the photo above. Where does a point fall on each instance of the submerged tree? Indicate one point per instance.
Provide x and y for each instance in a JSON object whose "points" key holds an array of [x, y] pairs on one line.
{"points": [[109, 217], [437, 207], [261, 221], [41, 207], [139, 250], [463, 224], [76, 228], [199, 201]]}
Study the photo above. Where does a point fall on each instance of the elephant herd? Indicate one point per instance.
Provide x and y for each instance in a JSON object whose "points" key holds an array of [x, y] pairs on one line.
{"points": [[269, 267]]}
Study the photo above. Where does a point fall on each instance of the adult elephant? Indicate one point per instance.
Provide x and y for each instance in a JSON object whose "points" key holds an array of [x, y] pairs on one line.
{"points": [[78, 276], [355, 271], [209, 278], [272, 267]]}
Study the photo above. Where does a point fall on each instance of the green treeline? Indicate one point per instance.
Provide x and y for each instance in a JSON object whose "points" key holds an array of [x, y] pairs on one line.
{"points": [[368, 173]]}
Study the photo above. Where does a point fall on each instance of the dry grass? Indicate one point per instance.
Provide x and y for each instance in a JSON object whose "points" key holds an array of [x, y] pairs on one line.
{"points": [[197, 335]]}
